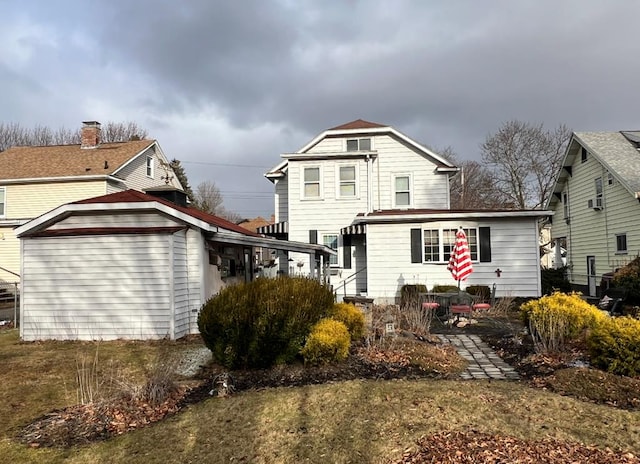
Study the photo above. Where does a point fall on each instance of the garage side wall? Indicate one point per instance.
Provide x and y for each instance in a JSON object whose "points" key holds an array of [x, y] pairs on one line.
{"points": [[96, 287]]}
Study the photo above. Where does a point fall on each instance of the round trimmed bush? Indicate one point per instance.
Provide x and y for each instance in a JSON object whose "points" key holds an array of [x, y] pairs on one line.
{"points": [[351, 316], [328, 341], [263, 322]]}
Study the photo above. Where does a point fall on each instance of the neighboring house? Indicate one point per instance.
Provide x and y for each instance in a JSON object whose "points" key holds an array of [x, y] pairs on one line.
{"points": [[264, 258], [596, 206], [381, 200], [33, 180], [130, 265]]}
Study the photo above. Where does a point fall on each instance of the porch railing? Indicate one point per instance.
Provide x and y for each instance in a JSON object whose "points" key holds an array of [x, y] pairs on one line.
{"points": [[348, 280]]}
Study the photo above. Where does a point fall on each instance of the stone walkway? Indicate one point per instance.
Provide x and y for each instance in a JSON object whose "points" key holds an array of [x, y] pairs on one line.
{"points": [[484, 363]]}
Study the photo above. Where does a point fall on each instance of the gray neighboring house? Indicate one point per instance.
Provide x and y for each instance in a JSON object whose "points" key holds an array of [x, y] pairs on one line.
{"points": [[596, 205]]}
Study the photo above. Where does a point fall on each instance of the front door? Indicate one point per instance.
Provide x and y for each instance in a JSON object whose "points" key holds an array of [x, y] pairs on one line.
{"points": [[591, 275]]}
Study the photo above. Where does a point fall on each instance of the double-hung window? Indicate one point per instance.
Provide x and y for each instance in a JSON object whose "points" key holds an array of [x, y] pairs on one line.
{"points": [[149, 166], [438, 243], [402, 190], [358, 144], [599, 194], [331, 241], [347, 180], [311, 181], [3, 201]]}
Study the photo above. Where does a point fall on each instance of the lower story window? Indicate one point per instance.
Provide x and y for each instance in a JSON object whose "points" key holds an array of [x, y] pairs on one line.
{"points": [[438, 243], [621, 243], [331, 241]]}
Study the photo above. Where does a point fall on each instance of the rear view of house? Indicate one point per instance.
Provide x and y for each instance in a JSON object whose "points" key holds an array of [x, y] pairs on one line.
{"points": [[381, 200]]}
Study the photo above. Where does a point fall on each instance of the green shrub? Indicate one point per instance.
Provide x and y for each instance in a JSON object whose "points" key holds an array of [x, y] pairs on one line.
{"points": [[554, 280], [351, 316], [328, 341], [614, 345], [557, 318], [445, 288], [259, 323], [482, 291], [409, 293], [629, 278]]}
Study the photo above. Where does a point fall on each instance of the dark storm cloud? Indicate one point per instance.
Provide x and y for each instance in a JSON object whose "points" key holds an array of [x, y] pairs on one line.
{"points": [[469, 66]]}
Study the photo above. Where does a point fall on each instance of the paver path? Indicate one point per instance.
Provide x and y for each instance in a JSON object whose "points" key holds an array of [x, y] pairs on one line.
{"points": [[484, 363]]}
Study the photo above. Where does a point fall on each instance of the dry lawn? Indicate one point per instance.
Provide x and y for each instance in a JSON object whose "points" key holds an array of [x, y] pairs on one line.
{"points": [[353, 421]]}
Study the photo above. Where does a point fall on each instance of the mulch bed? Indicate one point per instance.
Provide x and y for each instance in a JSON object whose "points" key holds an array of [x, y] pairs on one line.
{"points": [[475, 447]]}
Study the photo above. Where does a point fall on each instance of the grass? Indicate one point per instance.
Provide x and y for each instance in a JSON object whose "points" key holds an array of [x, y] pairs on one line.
{"points": [[353, 421]]}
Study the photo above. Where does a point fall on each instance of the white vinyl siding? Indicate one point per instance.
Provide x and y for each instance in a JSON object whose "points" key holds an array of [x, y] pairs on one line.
{"points": [[180, 286], [282, 200], [135, 172], [389, 263], [150, 219], [9, 254], [121, 292]]}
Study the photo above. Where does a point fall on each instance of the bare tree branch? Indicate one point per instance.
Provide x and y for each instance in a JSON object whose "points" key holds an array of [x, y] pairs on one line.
{"points": [[524, 160]]}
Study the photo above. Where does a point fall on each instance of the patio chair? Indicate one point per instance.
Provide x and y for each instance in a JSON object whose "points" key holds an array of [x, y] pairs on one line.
{"points": [[461, 305]]}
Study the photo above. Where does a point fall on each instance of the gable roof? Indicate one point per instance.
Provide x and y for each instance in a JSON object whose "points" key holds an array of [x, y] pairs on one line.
{"points": [[618, 152], [360, 128], [54, 161], [133, 196], [358, 124]]}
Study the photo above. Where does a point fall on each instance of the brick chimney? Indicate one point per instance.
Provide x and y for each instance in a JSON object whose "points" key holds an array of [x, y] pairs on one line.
{"points": [[90, 134]]}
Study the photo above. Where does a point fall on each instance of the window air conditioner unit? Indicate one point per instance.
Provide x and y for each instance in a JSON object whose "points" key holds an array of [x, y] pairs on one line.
{"points": [[595, 204]]}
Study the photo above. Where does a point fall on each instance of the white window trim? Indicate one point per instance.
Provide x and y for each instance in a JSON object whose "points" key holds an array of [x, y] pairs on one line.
{"points": [[443, 258], [339, 244], [356, 194], [3, 214], [393, 189], [565, 205], [148, 165], [372, 148], [320, 182]]}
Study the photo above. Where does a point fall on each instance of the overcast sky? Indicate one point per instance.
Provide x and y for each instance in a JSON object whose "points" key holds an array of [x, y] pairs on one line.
{"points": [[226, 87]]}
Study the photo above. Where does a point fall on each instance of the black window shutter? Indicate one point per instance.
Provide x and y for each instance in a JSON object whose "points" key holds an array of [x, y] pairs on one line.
{"points": [[485, 244], [346, 251], [313, 236], [416, 246]]}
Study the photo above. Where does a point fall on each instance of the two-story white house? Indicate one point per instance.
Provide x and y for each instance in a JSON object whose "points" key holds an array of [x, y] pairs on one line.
{"points": [[36, 179], [381, 200], [596, 206]]}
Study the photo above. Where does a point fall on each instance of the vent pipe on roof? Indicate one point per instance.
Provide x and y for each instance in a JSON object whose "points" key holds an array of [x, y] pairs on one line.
{"points": [[90, 134]]}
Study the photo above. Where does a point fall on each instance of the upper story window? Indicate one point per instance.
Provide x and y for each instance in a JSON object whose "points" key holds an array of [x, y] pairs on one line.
{"points": [[311, 180], [359, 144], [583, 155], [565, 204], [610, 179], [149, 166], [347, 179], [599, 192], [438, 244], [621, 243], [402, 190], [3, 201]]}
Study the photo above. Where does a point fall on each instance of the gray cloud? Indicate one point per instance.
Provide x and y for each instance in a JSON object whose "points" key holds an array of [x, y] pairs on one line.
{"points": [[223, 81]]}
